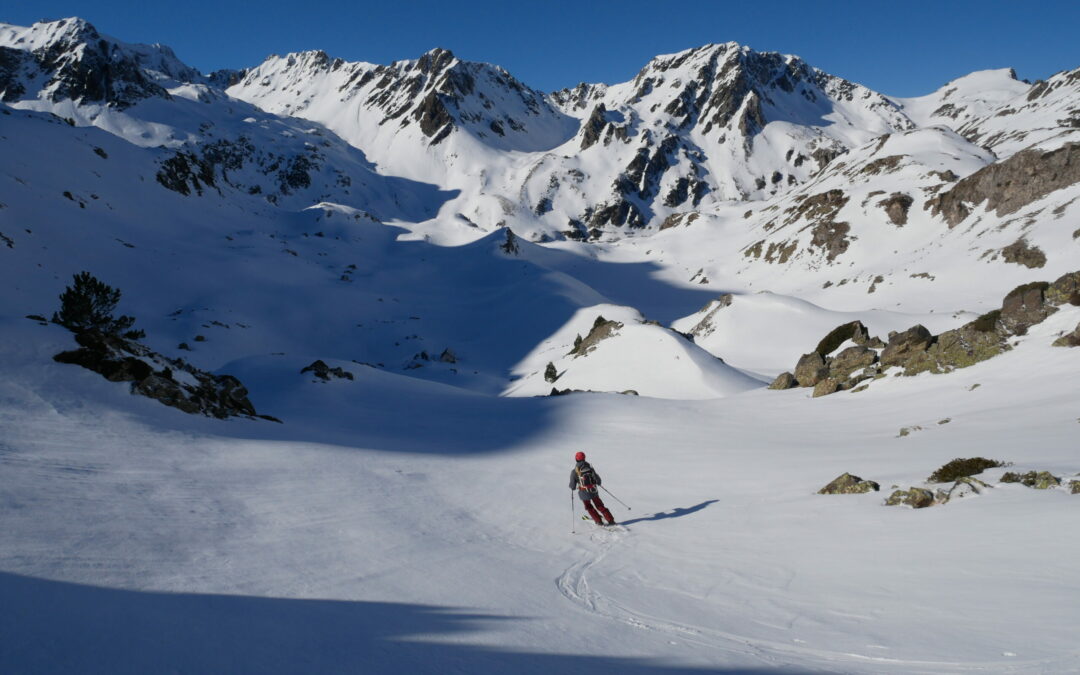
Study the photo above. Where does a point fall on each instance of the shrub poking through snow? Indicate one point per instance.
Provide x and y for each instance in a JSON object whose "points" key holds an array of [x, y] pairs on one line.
{"points": [[962, 468]]}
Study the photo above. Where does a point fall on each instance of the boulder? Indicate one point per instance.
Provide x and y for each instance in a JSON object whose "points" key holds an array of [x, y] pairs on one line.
{"points": [[1069, 339], [1025, 306], [963, 487], [847, 484], [827, 386], [1065, 290], [962, 347], [854, 331], [811, 369], [783, 381], [1074, 487], [903, 346], [916, 498], [851, 359], [1039, 480]]}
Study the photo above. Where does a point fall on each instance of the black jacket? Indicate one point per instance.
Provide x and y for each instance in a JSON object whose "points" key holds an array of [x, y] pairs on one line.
{"points": [[575, 482]]}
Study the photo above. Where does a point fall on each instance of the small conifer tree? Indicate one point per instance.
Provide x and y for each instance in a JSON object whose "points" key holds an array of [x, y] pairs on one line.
{"points": [[88, 304]]}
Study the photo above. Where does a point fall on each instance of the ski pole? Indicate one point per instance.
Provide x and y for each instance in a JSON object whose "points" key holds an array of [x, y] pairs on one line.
{"points": [[573, 519], [615, 498]]}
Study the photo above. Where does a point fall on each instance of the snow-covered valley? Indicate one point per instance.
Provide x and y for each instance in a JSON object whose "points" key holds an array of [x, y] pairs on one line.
{"points": [[463, 248]]}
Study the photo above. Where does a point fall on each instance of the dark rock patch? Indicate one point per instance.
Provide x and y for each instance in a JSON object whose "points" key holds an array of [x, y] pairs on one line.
{"points": [[783, 381], [896, 207], [1009, 185], [916, 498], [602, 329], [1039, 480], [1020, 252], [846, 484], [325, 373]]}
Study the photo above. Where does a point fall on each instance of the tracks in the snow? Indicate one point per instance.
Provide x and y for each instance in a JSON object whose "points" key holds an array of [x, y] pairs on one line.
{"points": [[573, 583]]}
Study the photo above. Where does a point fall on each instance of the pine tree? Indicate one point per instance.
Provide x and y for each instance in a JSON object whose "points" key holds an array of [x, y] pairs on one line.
{"points": [[88, 304]]}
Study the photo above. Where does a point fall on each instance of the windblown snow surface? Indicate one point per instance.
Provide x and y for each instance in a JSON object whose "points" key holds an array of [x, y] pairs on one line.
{"points": [[416, 519]]}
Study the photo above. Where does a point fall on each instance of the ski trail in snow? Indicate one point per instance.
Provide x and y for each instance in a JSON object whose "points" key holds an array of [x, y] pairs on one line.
{"points": [[573, 583]]}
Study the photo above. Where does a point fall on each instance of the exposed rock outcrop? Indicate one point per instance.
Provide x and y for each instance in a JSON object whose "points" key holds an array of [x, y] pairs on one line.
{"points": [[601, 330], [1039, 480], [1012, 184], [916, 350], [1069, 339], [916, 498], [783, 381], [1020, 252], [325, 373], [156, 376], [896, 207], [846, 484]]}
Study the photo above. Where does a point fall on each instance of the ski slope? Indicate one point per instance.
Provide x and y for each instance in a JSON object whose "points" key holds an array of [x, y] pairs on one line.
{"points": [[139, 539], [416, 517]]}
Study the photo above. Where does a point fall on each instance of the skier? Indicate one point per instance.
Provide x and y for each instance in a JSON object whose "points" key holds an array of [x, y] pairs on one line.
{"points": [[585, 479]]}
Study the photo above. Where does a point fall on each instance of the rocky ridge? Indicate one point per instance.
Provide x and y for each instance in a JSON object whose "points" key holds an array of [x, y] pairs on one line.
{"points": [[916, 350]]}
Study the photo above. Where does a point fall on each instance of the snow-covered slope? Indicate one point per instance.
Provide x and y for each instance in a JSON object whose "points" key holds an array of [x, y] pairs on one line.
{"points": [[967, 98], [1039, 116], [456, 244]]}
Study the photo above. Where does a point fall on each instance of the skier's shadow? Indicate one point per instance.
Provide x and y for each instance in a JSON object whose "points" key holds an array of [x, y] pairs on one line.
{"points": [[674, 513]]}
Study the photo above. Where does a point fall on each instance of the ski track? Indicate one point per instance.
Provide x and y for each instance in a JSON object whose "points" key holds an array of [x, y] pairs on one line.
{"points": [[573, 584]]}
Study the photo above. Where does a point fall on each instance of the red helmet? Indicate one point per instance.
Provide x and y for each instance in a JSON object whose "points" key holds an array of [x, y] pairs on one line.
{"points": [[580, 456]]}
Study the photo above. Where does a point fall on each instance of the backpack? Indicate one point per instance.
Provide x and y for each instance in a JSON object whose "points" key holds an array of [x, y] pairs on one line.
{"points": [[586, 476]]}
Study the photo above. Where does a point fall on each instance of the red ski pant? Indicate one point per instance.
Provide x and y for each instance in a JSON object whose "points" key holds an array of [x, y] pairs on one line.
{"points": [[595, 504]]}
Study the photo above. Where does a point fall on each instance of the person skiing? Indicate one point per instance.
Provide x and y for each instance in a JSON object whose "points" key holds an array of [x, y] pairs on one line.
{"points": [[585, 480]]}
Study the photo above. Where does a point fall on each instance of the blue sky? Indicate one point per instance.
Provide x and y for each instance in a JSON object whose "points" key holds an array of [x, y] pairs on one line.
{"points": [[899, 48]]}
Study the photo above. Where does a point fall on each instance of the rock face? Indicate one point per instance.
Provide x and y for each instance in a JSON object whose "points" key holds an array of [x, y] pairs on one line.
{"points": [[69, 59], [846, 484], [1008, 186], [325, 373], [153, 375], [916, 498]]}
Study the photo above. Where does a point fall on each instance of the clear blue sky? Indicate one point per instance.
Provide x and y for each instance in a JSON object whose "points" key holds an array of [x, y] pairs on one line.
{"points": [[901, 48]]}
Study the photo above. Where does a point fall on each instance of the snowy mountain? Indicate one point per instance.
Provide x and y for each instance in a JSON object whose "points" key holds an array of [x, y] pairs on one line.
{"points": [[370, 312]]}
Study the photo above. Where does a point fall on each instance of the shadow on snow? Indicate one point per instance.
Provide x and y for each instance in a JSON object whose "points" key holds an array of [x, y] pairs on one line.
{"points": [[66, 627], [674, 513]]}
